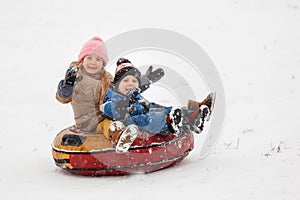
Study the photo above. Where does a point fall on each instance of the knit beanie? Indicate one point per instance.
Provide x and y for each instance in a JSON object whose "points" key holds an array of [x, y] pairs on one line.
{"points": [[124, 68], [94, 46]]}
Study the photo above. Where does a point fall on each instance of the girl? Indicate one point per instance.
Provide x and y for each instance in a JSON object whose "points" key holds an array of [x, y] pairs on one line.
{"points": [[124, 102], [85, 85]]}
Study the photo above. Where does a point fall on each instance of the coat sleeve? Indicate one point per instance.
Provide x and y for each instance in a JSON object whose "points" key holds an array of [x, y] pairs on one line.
{"points": [[108, 108], [112, 110], [62, 99]]}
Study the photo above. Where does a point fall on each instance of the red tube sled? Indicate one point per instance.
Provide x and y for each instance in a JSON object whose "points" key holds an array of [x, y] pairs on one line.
{"points": [[91, 154]]}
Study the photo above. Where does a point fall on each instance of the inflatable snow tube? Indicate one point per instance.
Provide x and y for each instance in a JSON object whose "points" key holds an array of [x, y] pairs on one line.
{"points": [[93, 155]]}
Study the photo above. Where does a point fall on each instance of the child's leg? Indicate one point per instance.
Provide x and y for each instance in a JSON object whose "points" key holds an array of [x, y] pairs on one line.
{"points": [[208, 101], [111, 129], [154, 121], [103, 127], [201, 112]]}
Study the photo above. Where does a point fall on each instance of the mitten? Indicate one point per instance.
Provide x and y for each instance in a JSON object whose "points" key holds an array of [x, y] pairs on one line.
{"points": [[155, 75], [123, 106], [151, 77], [70, 76]]}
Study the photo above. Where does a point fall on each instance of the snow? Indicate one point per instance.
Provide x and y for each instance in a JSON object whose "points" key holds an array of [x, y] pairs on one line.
{"points": [[255, 46]]}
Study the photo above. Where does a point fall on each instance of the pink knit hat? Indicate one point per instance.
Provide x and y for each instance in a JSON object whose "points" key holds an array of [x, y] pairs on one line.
{"points": [[94, 46]]}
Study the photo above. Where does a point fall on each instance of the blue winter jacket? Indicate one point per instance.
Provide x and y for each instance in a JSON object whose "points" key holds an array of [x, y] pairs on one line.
{"points": [[152, 120]]}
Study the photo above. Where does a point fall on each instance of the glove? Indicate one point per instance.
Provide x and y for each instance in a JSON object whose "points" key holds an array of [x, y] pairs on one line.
{"points": [[70, 76], [64, 90], [123, 106], [131, 96], [140, 107], [151, 77], [155, 75]]}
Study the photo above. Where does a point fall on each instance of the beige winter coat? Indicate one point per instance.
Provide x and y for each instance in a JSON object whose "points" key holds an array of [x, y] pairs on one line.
{"points": [[85, 100]]}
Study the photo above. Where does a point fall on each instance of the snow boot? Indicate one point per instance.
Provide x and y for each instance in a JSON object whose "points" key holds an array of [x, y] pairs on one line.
{"points": [[197, 119], [122, 136], [174, 121], [127, 137]]}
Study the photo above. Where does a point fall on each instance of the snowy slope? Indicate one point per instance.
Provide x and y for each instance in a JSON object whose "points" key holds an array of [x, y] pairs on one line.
{"points": [[255, 46]]}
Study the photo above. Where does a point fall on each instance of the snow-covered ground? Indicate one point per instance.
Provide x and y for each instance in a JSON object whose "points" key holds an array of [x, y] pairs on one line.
{"points": [[255, 46]]}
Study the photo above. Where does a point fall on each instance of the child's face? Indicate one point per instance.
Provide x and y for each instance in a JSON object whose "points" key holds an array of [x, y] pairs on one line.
{"points": [[127, 84], [92, 63]]}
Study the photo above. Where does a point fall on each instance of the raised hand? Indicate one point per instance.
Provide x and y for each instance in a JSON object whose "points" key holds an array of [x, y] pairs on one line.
{"points": [[154, 75], [70, 76], [123, 106]]}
